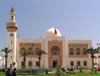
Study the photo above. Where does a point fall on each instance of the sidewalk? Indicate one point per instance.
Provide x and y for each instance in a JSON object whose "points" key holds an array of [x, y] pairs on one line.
{"points": [[83, 71]]}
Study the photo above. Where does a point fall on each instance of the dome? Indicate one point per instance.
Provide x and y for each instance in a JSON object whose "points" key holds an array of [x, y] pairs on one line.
{"points": [[53, 32]]}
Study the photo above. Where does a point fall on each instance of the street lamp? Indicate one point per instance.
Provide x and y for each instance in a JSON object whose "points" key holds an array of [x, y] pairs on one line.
{"points": [[13, 63]]}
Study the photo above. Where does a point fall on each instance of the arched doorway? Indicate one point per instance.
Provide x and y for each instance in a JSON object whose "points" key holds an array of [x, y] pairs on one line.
{"points": [[55, 57]]}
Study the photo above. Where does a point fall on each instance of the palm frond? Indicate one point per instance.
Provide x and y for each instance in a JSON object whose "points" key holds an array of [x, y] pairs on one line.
{"points": [[6, 50], [39, 52], [91, 51]]}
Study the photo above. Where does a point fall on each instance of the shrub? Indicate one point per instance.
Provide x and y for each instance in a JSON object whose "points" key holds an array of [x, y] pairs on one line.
{"points": [[85, 67], [95, 71], [50, 67], [23, 67], [59, 71], [81, 68], [92, 68]]}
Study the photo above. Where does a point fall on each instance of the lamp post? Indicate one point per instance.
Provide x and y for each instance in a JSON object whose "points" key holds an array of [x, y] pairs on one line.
{"points": [[13, 63]]}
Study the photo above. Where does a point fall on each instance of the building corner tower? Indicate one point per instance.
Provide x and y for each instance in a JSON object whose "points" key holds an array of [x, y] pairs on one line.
{"points": [[11, 27]]}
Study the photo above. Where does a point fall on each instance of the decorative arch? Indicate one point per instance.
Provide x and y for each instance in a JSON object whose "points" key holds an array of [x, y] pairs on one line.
{"points": [[23, 48], [78, 52], [55, 59], [55, 50], [30, 50], [71, 52], [84, 49], [36, 50]]}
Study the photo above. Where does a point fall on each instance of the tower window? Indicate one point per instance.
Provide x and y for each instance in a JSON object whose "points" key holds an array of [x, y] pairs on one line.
{"points": [[11, 17], [11, 42]]}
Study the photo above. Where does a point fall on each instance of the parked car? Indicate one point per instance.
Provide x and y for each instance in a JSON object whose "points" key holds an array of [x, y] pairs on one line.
{"points": [[63, 69], [98, 69], [70, 69], [2, 70]]}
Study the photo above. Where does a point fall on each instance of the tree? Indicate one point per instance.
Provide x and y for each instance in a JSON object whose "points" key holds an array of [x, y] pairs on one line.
{"points": [[59, 71], [81, 68], [39, 52], [92, 52], [25, 53], [6, 51]]}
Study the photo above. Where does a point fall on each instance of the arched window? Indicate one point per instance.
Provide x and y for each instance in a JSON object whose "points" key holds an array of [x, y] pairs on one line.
{"points": [[23, 49], [36, 50], [30, 50], [71, 52], [84, 51], [11, 17], [78, 52], [54, 51]]}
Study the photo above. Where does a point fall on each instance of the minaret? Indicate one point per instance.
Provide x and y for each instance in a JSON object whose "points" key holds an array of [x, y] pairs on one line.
{"points": [[12, 27]]}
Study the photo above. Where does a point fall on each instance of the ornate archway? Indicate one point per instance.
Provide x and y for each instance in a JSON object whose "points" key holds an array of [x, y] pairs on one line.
{"points": [[55, 56]]}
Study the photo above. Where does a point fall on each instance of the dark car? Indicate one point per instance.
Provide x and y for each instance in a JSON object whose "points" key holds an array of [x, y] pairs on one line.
{"points": [[70, 69], [2, 70], [63, 69]]}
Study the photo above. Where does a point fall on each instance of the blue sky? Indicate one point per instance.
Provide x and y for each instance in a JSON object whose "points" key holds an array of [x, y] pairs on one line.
{"points": [[75, 19]]}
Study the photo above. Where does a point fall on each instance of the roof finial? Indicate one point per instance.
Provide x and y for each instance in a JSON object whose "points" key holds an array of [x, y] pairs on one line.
{"points": [[12, 10]]}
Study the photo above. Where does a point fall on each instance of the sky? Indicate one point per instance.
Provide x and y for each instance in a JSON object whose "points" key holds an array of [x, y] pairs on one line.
{"points": [[75, 19]]}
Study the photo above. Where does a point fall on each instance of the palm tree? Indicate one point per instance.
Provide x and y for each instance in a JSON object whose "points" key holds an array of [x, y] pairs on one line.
{"points": [[24, 53], [6, 51], [39, 52], [59, 71], [92, 52]]}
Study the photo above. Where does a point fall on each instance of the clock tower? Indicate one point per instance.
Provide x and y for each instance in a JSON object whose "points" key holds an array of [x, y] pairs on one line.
{"points": [[11, 27]]}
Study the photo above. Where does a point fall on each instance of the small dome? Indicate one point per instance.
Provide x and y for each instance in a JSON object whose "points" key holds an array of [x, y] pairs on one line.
{"points": [[53, 32]]}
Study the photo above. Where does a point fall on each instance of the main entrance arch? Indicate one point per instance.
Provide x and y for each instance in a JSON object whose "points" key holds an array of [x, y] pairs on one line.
{"points": [[55, 53]]}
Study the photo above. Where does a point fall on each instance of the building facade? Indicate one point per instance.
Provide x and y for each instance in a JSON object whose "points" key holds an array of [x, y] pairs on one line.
{"points": [[66, 52], [2, 61]]}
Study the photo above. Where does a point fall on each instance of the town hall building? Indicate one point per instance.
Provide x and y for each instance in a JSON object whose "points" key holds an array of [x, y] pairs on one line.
{"points": [[66, 52]]}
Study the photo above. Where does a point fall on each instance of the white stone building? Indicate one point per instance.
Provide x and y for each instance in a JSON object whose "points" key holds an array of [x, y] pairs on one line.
{"points": [[2, 61], [66, 52]]}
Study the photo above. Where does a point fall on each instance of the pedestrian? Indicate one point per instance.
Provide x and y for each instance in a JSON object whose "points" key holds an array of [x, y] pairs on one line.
{"points": [[14, 72], [77, 66], [8, 72]]}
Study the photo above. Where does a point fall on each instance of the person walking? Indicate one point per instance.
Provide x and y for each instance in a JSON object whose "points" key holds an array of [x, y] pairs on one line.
{"points": [[77, 66], [14, 72], [8, 72]]}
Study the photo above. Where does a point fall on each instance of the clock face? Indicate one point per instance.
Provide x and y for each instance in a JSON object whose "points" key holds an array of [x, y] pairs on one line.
{"points": [[11, 34]]}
